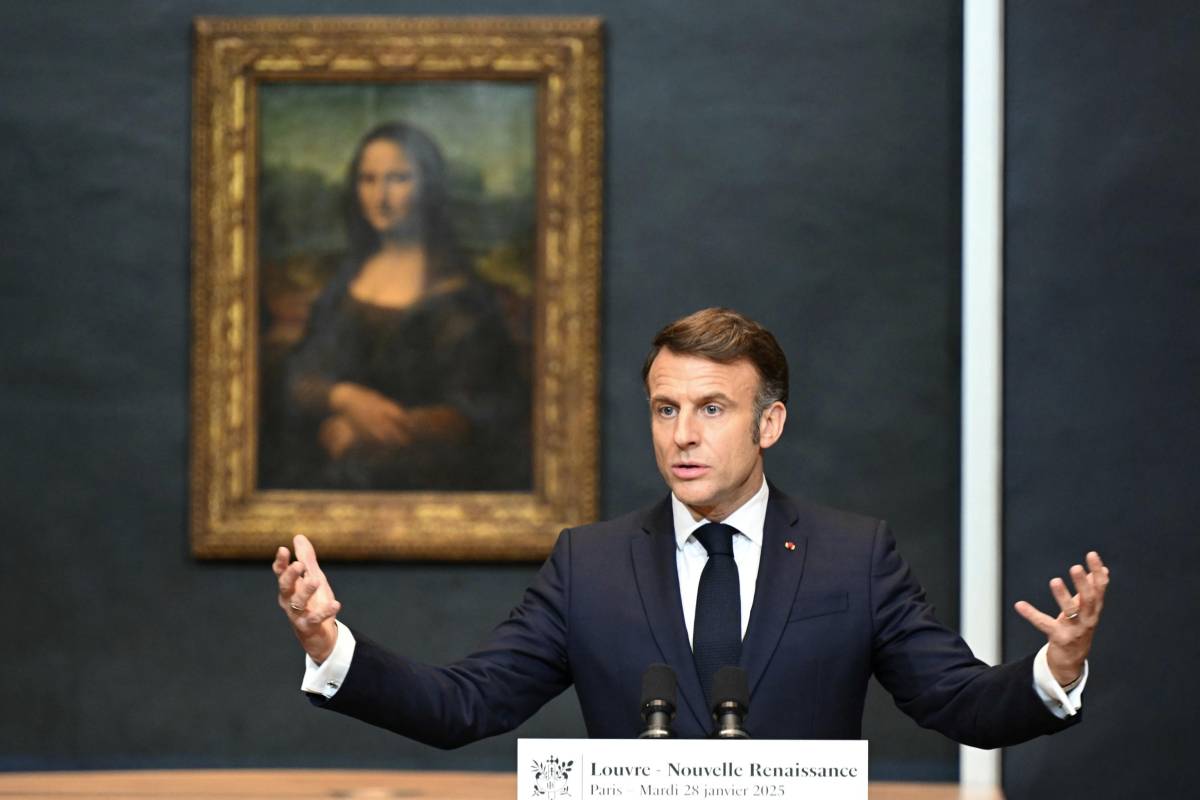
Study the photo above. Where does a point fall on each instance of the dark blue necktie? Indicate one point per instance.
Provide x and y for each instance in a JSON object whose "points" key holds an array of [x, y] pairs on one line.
{"points": [[717, 629]]}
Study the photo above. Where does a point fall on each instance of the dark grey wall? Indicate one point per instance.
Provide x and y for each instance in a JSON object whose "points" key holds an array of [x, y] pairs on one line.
{"points": [[1103, 374], [798, 161]]}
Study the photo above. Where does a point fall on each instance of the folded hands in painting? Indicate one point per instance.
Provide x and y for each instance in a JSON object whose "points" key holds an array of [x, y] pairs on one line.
{"points": [[363, 415], [369, 421]]}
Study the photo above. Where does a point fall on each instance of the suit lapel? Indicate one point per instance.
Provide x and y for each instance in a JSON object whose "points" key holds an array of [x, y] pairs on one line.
{"points": [[658, 583], [779, 571]]}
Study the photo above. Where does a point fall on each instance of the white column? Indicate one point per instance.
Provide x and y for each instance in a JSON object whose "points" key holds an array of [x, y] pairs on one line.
{"points": [[982, 347]]}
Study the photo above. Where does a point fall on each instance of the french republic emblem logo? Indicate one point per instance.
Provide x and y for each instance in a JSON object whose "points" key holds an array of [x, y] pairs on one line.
{"points": [[550, 778]]}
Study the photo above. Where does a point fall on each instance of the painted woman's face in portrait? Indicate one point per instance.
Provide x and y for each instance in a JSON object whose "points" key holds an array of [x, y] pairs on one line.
{"points": [[386, 186]]}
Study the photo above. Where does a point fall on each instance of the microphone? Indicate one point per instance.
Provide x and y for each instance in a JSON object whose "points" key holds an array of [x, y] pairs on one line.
{"points": [[658, 702], [731, 702]]}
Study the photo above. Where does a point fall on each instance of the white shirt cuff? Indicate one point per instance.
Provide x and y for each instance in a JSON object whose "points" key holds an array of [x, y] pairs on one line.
{"points": [[1060, 702], [327, 677]]}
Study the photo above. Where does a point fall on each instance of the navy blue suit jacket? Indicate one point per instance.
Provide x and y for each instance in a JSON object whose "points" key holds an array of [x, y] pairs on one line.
{"points": [[830, 612]]}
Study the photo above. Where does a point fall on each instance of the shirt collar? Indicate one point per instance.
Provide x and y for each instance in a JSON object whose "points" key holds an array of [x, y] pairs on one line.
{"points": [[749, 518]]}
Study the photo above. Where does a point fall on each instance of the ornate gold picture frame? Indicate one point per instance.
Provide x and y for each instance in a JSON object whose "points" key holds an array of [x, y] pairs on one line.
{"points": [[395, 285]]}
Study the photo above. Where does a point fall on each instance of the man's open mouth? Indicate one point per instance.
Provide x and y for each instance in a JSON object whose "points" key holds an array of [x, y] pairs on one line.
{"points": [[688, 469]]}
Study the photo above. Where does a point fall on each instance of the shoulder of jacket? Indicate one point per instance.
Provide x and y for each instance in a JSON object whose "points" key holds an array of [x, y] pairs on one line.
{"points": [[821, 520]]}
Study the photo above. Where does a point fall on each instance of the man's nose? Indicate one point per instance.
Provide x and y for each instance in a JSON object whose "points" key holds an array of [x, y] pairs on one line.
{"points": [[686, 432]]}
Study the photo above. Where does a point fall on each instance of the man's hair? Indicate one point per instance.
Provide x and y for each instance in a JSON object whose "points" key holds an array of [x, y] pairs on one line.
{"points": [[725, 336]]}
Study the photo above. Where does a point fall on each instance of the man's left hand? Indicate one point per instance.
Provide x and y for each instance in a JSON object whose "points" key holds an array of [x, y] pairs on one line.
{"points": [[1070, 633]]}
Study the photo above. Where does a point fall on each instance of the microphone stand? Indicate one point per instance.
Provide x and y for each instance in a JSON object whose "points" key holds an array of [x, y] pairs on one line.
{"points": [[658, 702], [731, 703]]}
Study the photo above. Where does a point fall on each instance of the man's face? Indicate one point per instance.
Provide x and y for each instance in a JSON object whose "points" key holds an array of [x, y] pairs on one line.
{"points": [[702, 422]]}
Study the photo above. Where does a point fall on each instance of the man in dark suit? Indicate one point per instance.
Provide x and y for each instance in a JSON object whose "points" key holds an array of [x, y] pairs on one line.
{"points": [[727, 570]]}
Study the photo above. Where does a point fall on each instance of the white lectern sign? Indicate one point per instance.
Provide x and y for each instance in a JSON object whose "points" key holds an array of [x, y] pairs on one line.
{"points": [[573, 769]]}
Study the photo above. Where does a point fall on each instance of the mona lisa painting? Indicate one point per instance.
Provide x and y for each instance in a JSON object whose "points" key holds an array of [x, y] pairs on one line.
{"points": [[397, 348], [395, 271]]}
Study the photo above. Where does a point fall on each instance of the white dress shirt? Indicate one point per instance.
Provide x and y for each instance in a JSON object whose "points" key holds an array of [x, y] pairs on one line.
{"points": [[690, 557]]}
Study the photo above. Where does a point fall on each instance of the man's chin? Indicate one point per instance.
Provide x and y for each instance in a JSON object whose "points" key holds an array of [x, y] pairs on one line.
{"points": [[692, 494]]}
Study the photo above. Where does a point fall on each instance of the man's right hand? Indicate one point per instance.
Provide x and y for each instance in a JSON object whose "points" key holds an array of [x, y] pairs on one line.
{"points": [[307, 599]]}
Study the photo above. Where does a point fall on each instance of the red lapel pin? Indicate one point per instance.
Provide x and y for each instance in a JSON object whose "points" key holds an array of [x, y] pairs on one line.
{"points": [[790, 545]]}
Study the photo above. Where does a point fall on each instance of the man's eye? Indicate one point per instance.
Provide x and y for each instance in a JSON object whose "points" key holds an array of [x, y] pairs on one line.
{"points": [[666, 411], [712, 409]]}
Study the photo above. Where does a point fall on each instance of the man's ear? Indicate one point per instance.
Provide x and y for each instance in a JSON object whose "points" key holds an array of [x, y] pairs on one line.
{"points": [[770, 424]]}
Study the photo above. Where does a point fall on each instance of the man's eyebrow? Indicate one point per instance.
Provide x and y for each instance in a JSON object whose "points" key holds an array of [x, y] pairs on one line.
{"points": [[717, 397], [714, 397]]}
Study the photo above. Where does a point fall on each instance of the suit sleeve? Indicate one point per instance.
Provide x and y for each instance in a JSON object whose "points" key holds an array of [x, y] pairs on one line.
{"points": [[932, 674], [521, 668]]}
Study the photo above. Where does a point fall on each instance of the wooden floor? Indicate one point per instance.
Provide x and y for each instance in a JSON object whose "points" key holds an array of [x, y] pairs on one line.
{"points": [[335, 784]]}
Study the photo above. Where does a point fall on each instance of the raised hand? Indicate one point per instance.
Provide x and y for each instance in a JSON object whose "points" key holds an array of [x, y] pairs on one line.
{"points": [[307, 599], [1070, 632]]}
